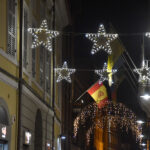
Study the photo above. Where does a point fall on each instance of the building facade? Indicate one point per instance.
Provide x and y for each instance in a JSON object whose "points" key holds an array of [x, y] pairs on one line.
{"points": [[30, 100]]}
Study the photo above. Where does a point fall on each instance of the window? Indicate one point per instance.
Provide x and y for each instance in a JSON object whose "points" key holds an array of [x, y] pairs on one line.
{"points": [[59, 96], [48, 71], [33, 62], [42, 10], [11, 48], [25, 34], [33, 58], [42, 66]]}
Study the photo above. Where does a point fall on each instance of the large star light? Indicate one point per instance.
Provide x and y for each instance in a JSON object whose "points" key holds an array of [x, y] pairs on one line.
{"points": [[43, 36], [144, 73], [101, 40], [104, 73], [64, 73]]}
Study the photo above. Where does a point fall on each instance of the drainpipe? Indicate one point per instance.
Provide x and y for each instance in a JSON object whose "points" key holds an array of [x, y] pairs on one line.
{"points": [[53, 98], [20, 75]]}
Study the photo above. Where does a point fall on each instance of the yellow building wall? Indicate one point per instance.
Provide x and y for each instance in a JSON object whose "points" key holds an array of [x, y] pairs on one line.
{"points": [[37, 90], [8, 66], [57, 132], [10, 97], [57, 111]]}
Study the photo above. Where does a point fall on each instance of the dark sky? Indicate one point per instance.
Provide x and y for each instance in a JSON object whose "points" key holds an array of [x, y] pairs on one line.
{"points": [[130, 18], [127, 16]]}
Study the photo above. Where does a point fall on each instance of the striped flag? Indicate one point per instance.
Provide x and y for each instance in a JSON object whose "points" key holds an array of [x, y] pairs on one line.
{"points": [[99, 93]]}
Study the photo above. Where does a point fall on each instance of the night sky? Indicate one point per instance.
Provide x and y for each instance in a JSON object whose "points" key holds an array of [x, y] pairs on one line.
{"points": [[130, 19]]}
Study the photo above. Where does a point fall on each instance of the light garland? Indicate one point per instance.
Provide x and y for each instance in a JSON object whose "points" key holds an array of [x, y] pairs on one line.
{"points": [[104, 73], [101, 40], [144, 73], [115, 114], [43, 36], [64, 73]]}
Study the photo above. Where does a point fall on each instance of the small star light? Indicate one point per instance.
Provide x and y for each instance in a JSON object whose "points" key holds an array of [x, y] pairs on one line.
{"points": [[43, 36], [147, 34], [64, 73], [104, 73], [144, 73], [101, 40]]}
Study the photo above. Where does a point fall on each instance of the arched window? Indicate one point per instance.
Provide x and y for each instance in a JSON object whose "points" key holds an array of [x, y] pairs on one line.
{"points": [[38, 131]]}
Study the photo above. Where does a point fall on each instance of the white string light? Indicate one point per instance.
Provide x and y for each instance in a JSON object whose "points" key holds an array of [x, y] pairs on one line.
{"points": [[144, 73], [43, 36], [64, 73], [101, 40], [118, 115], [104, 73]]}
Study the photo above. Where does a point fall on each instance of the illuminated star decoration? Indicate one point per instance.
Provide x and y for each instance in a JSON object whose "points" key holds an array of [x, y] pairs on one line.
{"points": [[104, 73], [147, 34], [101, 40], [64, 73], [43, 36], [144, 73]]}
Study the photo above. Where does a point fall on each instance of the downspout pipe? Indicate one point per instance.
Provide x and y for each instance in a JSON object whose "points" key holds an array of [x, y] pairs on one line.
{"points": [[20, 75], [53, 98]]}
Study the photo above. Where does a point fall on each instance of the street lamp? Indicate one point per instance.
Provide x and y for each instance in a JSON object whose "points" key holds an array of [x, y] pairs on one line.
{"points": [[145, 97], [63, 137], [140, 121], [143, 144], [141, 136]]}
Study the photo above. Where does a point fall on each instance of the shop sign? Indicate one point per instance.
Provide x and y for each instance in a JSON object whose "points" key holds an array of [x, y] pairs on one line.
{"points": [[27, 138], [4, 132]]}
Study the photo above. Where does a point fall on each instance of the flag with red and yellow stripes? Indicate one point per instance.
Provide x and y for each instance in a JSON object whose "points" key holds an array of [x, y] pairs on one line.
{"points": [[99, 93]]}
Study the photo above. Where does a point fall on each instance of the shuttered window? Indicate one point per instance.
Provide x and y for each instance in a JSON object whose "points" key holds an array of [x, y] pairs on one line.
{"points": [[11, 48], [25, 33], [33, 62], [33, 58], [41, 66], [48, 71]]}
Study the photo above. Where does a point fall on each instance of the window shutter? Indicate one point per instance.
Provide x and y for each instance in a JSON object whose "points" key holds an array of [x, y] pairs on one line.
{"points": [[33, 57], [11, 49], [25, 37], [33, 62], [41, 65], [48, 69]]}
